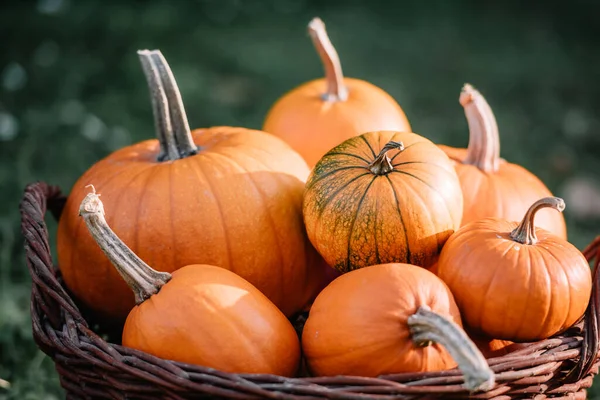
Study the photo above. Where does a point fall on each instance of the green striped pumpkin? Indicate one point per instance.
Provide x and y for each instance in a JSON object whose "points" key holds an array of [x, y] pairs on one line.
{"points": [[382, 197]]}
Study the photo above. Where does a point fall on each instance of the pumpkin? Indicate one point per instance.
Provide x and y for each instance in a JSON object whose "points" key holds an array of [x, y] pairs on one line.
{"points": [[382, 319], [535, 283], [491, 348], [320, 114], [493, 187], [224, 196], [382, 197], [199, 314]]}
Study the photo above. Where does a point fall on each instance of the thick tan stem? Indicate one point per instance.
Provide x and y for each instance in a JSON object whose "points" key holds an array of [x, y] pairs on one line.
{"points": [[336, 90], [427, 326], [525, 232], [170, 119], [484, 140], [141, 278], [383, 164]]}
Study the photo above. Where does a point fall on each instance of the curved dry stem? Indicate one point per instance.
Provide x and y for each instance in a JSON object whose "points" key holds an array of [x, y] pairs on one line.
{"points": [[427, 326], [383, 164], [141, 278], [525, 232], [336, 90], [484, 140], [172, 128]]}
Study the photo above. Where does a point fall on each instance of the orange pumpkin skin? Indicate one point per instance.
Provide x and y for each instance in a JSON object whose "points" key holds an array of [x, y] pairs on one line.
{"points": [[236, 204], [492, 194], [532, 291], [222, 321], [358, 324], [313, 126], [356, 218], [491, 348]]}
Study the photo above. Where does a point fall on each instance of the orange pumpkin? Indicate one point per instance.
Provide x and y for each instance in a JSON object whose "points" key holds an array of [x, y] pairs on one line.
{"points": [[199, 314], [491, 348], [535, 284], [382, 197], [381, 319], [493, 187], [322, 113], [223, 196]]}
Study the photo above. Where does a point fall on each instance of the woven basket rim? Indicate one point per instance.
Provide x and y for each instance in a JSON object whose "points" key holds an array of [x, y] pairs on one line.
{"points": [[88, 365]]}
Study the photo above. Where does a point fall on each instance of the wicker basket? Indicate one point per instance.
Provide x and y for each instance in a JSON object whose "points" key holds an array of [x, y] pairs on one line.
{"points": [[91, 366]]}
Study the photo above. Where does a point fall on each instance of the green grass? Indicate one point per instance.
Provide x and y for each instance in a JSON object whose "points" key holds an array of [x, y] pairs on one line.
{"points": [[71, 82]]}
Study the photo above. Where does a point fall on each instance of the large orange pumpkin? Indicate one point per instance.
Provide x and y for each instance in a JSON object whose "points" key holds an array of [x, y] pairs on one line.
{"points": [[199, 314], [223, 196], [322, 113], [493, 187], [378, 320], [535, 284], [382, 197]]}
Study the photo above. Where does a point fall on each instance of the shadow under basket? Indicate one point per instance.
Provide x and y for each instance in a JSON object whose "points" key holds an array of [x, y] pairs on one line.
{"points": [[90, 367]]}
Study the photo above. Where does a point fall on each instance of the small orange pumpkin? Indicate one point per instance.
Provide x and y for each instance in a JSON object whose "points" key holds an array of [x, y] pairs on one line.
{"points": [[224, 196], [535, 283], [493, 187], [199, 314], [491, 348], [382, 197], [320, 114], [382, 319]]}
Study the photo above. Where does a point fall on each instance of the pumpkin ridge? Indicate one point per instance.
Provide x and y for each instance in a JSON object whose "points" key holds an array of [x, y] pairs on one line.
{"points": [[408, 253], [406, 148], [136, 221], [368, 145], [376, 242], [354, 221], [171, 218], [548, 285], [411, 162], [491, 282], [347, 154], [333, 171], [430, 187], [272, 224], [263, 200], [332, 196], [568, 283], [233, 322], [528, 282], [110, 218], [199, 170], [425, 206]]}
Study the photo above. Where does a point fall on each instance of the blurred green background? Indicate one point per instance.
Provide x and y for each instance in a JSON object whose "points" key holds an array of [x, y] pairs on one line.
{"points": [[72, 91]]}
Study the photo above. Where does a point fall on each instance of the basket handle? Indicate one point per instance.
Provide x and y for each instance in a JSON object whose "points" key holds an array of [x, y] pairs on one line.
{"points": [[51, 298], [591, 319]]}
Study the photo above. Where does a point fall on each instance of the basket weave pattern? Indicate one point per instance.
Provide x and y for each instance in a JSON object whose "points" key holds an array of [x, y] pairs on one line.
{"points": [[90, 367]]}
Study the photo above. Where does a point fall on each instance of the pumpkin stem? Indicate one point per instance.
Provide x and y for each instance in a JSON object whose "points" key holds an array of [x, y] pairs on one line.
{"points": [[383, 164], [141, 278], [484, 140], [426, 327], [336, 90], [170, 119], [525, 232]]}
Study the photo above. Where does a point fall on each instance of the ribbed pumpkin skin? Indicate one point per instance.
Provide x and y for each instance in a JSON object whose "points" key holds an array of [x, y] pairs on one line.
{"points": [[355, 218], [493, 194], [313, 126], [358, 324], [236, 204], [532, 291], [222, 322]]}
